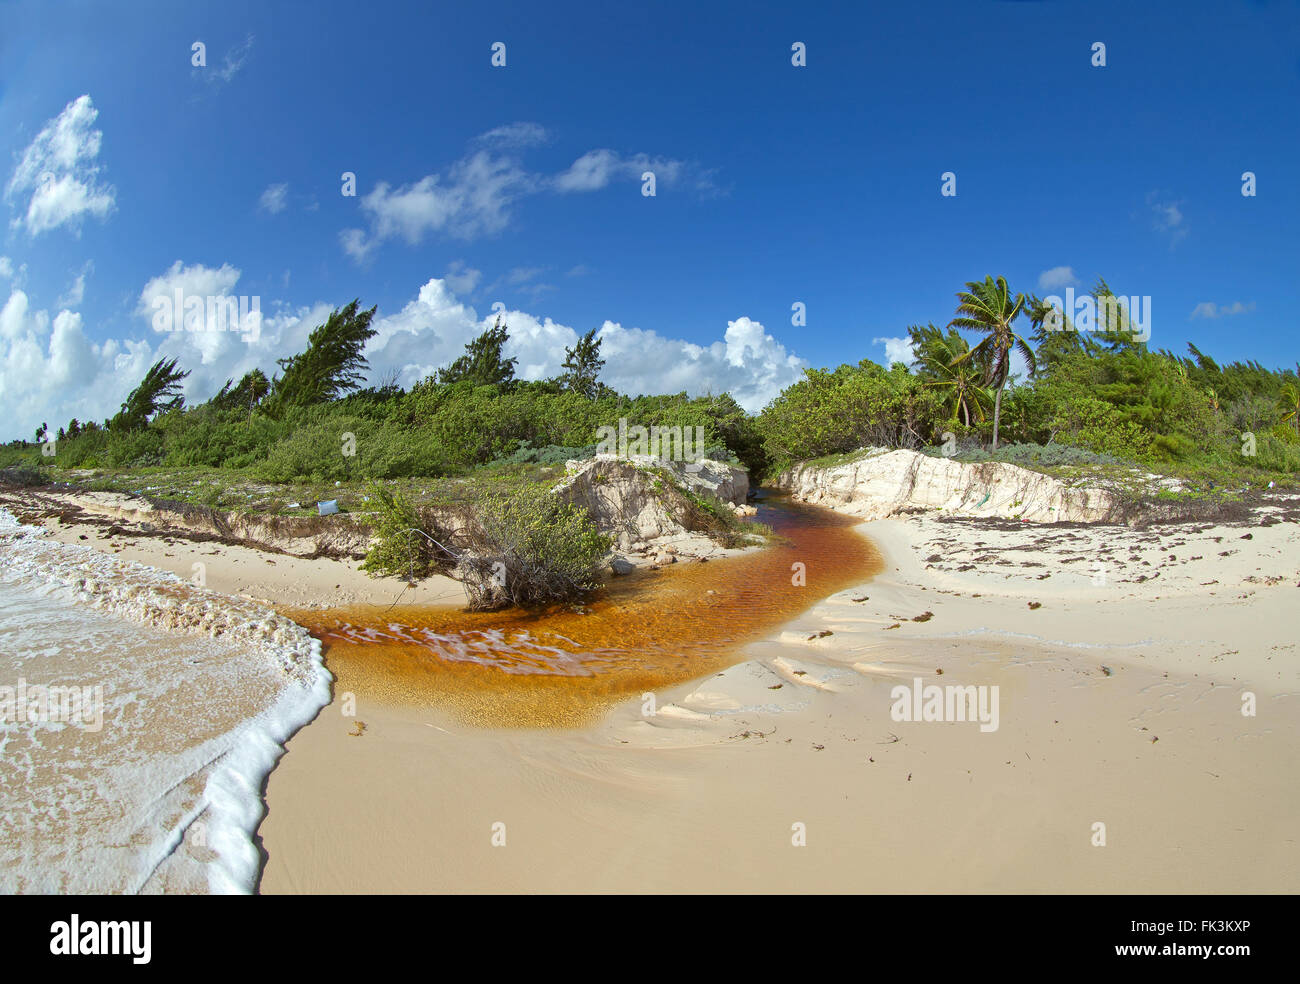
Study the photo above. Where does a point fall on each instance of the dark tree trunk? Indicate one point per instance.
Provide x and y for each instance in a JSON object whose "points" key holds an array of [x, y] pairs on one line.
{"points": [[997, 416]]}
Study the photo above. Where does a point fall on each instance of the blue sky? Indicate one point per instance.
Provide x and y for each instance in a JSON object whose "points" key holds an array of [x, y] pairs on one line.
{"points": [[127, 173]]}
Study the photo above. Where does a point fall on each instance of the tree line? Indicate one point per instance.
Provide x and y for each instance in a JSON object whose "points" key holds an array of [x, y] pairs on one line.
{"points": [[1026, 379]]}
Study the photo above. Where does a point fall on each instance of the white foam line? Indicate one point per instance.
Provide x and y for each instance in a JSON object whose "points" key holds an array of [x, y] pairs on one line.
{"points": [[127, 590]]}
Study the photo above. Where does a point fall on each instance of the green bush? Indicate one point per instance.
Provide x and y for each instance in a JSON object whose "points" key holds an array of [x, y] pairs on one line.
{"points": [[855, 406], [397, 551], [533, 550]]}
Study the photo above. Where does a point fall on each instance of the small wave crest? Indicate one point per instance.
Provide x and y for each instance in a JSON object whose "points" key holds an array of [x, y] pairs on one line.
{"points": [[199, 693]]}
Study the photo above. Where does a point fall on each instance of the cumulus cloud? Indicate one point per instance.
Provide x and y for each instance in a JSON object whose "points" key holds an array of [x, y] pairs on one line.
{"points": [[749, 363], [52, 372], [1057, 278], [433, 329], [56, 182], [896, 350], [213, 349], [274, 199], [196, 280], [1208, 309]]}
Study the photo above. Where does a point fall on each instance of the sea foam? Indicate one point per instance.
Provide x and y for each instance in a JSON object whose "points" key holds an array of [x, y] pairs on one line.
{"points": [[200, 693]]}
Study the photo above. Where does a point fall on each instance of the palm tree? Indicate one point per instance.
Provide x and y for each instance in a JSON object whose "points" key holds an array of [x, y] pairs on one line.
{"points": [[988, 306], [938, 358], [1291, 404]]}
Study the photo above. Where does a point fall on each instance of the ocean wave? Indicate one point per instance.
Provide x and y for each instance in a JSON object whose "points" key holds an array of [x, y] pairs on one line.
{"points": [[203, 690]]}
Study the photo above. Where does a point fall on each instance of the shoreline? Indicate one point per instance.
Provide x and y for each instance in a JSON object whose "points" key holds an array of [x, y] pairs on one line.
{"points": [[1148, 739], [702, 796]]}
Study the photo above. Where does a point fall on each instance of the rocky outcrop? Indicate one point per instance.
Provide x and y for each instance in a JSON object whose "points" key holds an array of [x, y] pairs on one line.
{"points": [[882, 483], [652, 507]]}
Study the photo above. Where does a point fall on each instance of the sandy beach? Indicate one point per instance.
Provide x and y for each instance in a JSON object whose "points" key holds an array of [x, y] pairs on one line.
{"points": [[1121, 657], [1120, 704]]}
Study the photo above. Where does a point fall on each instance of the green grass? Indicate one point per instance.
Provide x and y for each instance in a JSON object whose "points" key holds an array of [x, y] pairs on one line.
{"points": [[240, 491]]}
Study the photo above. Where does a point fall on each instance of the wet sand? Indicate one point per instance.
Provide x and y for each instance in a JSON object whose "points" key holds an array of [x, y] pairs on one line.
{"points": [[569, 665], [1121, 705]]}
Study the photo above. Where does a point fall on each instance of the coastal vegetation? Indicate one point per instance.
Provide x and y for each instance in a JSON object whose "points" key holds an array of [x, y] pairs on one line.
{"points": [[1002, 379], [523, 547]]}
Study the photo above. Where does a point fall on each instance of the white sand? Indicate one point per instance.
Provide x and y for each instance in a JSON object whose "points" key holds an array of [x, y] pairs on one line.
{"points": [[1195, 796]]}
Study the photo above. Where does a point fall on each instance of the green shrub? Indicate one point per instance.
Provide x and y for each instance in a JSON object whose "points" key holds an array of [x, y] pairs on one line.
{"points": [[397, 551], [532, 550]]}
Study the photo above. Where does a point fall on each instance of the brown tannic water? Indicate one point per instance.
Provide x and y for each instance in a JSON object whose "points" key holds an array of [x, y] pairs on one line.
{"points": [[564, 666]]}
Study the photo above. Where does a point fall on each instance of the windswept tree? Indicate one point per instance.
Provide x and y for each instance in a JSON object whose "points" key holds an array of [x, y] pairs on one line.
{"points": [[989, 307], [158, 392], [482, 364], [1054, 335], [939, 357], [582, 365], [331, 365], [252, 389], [1114, 327]]}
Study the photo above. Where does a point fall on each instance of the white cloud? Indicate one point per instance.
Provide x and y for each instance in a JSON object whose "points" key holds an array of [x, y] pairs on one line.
{"points": [[6, 268], [77, 289], [235, 59], [473, 199], [274, 199], [896, 350], [52, 372], [475, 195], [462, 279], [597, 168], [57, 174], [1167, 217], [197, 280], [749, 363], [433, 329], [515, 135], [521, 275], [213, 356], [1057, 278], [1208, 309]]}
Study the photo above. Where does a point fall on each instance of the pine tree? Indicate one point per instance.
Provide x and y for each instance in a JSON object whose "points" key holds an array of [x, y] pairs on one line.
{"points": [[482, 363], [583, 364]]}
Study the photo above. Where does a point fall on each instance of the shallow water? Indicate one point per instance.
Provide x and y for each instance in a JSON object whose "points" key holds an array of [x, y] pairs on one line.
{"points": [[153, 783], [565, 666]]}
